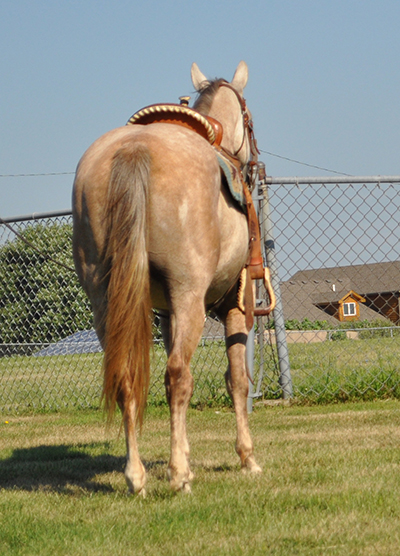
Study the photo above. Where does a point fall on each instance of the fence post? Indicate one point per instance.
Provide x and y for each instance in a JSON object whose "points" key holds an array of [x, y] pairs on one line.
{"points": [[285, 379], [250, 342]]}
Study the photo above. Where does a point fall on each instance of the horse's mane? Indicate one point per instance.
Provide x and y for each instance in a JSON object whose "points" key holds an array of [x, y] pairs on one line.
{"points": [[206, 96]]}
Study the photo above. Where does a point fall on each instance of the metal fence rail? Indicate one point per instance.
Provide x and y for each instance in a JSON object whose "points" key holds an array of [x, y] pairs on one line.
{"points": [[323, 230]]}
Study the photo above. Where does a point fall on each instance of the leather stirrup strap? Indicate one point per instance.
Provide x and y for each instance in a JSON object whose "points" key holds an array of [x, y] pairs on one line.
{"points": [[256, 260], [256, 264]]}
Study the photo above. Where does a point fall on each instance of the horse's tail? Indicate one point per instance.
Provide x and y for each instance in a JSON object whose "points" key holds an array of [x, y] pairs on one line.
{"points": [[128, 326]]}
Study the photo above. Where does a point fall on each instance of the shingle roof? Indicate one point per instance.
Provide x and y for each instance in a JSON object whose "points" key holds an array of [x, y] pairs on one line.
{"points": [[363, 278], [308, 288]]}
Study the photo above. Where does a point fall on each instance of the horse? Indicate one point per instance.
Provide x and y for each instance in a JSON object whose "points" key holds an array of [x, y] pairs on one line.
{"points": [[155, 228]]}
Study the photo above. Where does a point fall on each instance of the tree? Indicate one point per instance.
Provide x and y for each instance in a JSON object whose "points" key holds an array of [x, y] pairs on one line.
{"points": [[40, 301]]}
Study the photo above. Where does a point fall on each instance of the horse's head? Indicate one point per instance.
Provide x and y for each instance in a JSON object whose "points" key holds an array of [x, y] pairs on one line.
{"points": [[224, 101]]}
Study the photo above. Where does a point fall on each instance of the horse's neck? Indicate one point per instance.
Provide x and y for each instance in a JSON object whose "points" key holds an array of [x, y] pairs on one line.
{"points": [[225, 109]]}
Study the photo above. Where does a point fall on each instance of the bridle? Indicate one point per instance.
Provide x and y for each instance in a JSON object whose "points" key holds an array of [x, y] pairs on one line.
{"points": [[248, 131]]}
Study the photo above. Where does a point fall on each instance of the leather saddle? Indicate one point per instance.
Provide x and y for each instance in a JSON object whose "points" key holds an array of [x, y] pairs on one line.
{"points": [[182, 115]]}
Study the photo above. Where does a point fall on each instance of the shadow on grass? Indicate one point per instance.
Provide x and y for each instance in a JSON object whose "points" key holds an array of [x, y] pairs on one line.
{"points": [[63, 469]]}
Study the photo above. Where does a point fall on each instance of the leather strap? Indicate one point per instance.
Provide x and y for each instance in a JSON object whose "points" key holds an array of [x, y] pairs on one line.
{"points": [[255, 263]]}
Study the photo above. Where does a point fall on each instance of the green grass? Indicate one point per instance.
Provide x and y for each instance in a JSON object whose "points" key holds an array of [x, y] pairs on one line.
{"points": [[347, 370], [331, 485], [49, 383], [326, 372], [68, 381]]}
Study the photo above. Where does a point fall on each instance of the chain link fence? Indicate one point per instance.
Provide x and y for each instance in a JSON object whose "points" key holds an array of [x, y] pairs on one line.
{"points": [[50, 357], [337, 247]]}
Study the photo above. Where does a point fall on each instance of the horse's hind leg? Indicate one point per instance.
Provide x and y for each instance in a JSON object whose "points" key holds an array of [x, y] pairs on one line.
{"points": [[237, 383], [186, 326], [135, 473]]}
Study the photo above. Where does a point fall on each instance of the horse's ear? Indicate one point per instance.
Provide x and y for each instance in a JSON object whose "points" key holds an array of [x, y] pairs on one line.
{"points": [[199, 80], [241, 76]]}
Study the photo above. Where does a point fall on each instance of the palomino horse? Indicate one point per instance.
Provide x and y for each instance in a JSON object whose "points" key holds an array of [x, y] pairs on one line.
{"points": [[155, 227]]}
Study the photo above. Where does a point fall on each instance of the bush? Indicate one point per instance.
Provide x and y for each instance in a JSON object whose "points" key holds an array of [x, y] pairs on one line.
{"points": [[338, 335], [40, 301], [307, 324]]}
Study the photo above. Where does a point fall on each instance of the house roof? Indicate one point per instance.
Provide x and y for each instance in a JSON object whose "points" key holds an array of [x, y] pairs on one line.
{"points": [[308, 288], [337, 296], [362, 278], [353, 295]]}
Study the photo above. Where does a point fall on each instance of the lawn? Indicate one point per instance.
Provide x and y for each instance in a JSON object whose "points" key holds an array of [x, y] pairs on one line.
{"points": [[326, 372], [331, 484], [68, 381], [346, 370]]}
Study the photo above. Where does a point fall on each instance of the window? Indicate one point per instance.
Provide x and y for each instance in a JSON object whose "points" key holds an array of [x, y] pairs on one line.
{"points": [[349, 309]]}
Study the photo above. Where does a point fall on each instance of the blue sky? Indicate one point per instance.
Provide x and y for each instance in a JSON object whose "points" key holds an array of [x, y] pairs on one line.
{"points": [[323, 88]]}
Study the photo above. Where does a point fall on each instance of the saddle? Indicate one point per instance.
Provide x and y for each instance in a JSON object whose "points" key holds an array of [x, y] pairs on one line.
{"points": [[182, 115], [211, 130]]}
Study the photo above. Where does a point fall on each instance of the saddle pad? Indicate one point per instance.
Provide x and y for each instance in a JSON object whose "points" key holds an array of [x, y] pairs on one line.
{"points": [[233, 180]]}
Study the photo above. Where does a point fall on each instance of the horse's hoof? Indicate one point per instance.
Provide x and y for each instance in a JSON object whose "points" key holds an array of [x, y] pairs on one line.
{"points": [[136, 485], [140, 493], [180, 482], [186, 488], [181, 485], [250, 466]]}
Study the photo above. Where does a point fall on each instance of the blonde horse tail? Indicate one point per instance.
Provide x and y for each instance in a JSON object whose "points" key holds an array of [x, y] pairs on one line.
{"points": [[128, 325]]}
